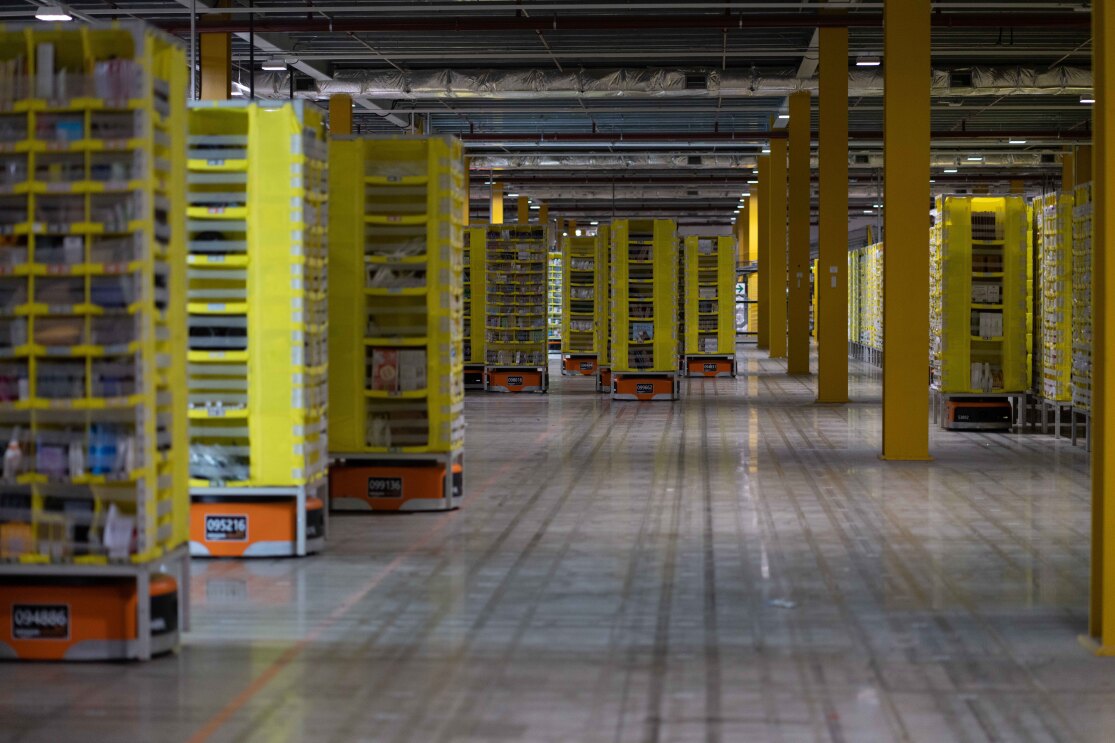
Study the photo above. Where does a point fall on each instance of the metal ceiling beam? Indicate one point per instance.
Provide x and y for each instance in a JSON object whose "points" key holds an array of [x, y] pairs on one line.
{"points": [[541, 23], [496, 139]]}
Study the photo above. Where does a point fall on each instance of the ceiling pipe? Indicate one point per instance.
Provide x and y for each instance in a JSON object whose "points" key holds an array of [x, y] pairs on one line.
{"points": [[498, 139], [483, 84], [543, 23]]}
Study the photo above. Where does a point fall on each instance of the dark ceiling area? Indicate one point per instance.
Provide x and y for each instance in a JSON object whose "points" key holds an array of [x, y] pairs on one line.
{"points": [[620, 108]]}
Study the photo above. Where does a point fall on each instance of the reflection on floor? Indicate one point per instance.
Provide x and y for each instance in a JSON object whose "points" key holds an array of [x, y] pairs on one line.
{"points": [[738, 566]]}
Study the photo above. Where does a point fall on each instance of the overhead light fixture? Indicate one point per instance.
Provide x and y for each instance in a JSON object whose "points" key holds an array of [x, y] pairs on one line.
{"points": [[239, 88], [1016, 141], [783, 116], [275, 64], [577, 232], [594, 223], [766, 150], [53, 13], [877, 206], [535, 207], [753, 181], [868, 211], [511, 195], [565, 234], [975, 158], [868, 60], [932, 181], [950, 170], [1088, 99]]}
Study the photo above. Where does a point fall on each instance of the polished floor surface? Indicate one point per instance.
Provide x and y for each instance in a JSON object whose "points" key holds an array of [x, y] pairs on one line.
{"points": [[738, 566]]}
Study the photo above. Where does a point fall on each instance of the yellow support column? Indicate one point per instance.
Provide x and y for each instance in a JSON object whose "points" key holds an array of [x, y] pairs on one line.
{"points": [[776, 229], [743, 246], [543, 213], [1101, 625], [468, 196], [1018, 187], [906, 80], [215, 61], [522, 210], [1082, 163], [832, 266], [496, 204], [340, 114], [797, 350], [761, 212], [756, 285]]}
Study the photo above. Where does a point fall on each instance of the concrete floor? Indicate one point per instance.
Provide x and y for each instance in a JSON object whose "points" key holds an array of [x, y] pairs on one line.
{"points": [[738, 566]]}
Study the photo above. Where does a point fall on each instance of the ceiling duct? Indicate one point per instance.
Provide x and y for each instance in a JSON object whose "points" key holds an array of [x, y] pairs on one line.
{"points": [[633, 162], [491, 84]]}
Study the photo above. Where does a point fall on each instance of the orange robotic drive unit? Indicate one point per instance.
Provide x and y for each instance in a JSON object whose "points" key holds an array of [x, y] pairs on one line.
{"points": [[252, 526], [403, 485], [710, 367], [517, 380], [644, 387], [67, 618], [578, 366]]}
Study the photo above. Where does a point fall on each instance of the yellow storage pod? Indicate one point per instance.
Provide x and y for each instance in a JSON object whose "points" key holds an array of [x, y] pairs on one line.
{"points": [[603, 340], [644, 309], [475, 288], [92, 305], [710, 333], [1082, 319], [516, 326], [980, 284], [396, 298], [583, 305], [258, 315], [555, 281], [1053, 214]]}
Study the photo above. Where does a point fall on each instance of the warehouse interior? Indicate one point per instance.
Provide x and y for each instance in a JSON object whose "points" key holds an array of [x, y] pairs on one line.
{"points": [[522, 257]]}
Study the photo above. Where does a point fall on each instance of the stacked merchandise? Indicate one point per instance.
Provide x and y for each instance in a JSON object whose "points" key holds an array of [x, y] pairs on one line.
{"points": [[980, 278], [1081, 374], [583, 306], [258, 323], [475, 288], [92, 305], [554, 295], [644, 310], [710, 336], [396, 309], [855, 306], [1053, 215], [516, 327]]}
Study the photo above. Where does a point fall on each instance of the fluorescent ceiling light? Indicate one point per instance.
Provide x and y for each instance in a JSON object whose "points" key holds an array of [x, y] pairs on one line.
{"points": [[594, 223], [783, 116], [275, 64], [766, 150], [975, 158], [868, 60], [950, 170], [877, 206], [53, 13], [1088, 99], [753, 181], [932, 181], [868, 211], [1016, 141], [512, 195], [536, 207]]}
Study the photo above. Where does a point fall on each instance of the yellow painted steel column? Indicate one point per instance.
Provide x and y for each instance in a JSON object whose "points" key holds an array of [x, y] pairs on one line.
{"points": [[832, 265], [762, 229], [543, 213], [906, 80], [340, 114], [756, 288], [743, 246], [776, 278], [1068, 171], [1082, 163], [797, 304], [522, 210], [495, 205], [215, 62], [1101, 625]]}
